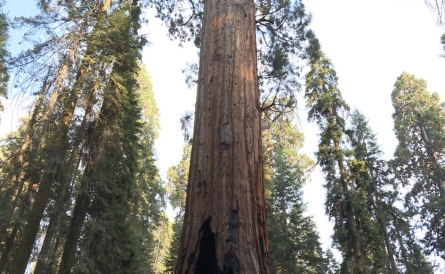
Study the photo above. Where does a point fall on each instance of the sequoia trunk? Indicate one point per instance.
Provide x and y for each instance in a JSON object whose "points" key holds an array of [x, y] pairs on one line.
{"points": [[225, 220]]}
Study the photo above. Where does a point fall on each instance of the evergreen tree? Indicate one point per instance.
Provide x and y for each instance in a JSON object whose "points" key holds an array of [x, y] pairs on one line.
{"points": [[347, 202], [173, 252], [419, 125], [293, 242], [163, 239], [176, 188], [177, 177], [4, 76], [281, 26], [401, 250], [84, 178], [148, 200]]}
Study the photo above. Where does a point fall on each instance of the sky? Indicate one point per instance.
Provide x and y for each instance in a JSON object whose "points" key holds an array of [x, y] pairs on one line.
{"points": [[370, 42]]}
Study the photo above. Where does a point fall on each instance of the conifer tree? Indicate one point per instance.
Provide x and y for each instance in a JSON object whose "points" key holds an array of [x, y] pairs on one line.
{"points": [[347, 197], [419, 125], [91, 135], [281, 27], [4, 75], [293, 241], [47, 151], [176, 188], [401, 250]]}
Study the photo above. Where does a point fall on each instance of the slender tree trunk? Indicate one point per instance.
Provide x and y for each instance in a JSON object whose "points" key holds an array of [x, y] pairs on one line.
{"points": [[56, 159], [404, 258], [352, 224], [225, 220], [77, 218], [393, 266], [62, 196], [83, 199], [11, 199], [432, 155]]}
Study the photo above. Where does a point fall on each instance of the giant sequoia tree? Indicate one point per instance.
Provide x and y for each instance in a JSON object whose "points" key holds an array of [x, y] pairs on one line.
{"points": [[224, 224], [419, 125]]}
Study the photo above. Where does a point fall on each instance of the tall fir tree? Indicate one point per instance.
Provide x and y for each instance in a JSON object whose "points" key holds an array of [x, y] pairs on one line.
{"points": [[347, 181], [401, 250], [293, 240]]}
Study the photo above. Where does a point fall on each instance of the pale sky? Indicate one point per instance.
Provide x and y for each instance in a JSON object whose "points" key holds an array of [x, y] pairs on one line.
{"points": [[370, 42]]}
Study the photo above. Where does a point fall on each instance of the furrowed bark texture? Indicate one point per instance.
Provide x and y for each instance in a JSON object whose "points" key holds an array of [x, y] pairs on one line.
{"points": [[225, 220]]}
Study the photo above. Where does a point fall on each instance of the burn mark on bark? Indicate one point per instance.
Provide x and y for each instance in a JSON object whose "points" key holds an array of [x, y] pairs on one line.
{"points": [[231, 264], [261, 242], [190, 259], [206, 262], [233, 226]]}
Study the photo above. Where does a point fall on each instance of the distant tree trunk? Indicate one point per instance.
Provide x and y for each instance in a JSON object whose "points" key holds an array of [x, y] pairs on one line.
{"points": [[225, 220], [62, 196], [432, 155], [77, 219], [14, 195], [352, 224], [54, 167]]}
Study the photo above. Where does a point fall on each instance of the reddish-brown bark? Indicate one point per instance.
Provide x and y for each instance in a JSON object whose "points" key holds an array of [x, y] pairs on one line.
{"points": [[225, 219]]}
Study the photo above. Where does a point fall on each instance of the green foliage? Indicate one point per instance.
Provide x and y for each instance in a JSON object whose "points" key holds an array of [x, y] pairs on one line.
{"points": [[170, 262], [162, 245], [177, 179], [4, 76], [176, 188], [349, 202], [281, 28], [90, 137], [419, 125], [293, 242], [400, 248]]}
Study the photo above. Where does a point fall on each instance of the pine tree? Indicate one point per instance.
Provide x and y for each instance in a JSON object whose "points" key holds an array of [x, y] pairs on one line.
{"points": [[224, 222], [148, 200], [177, 177], [47, 151]]}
